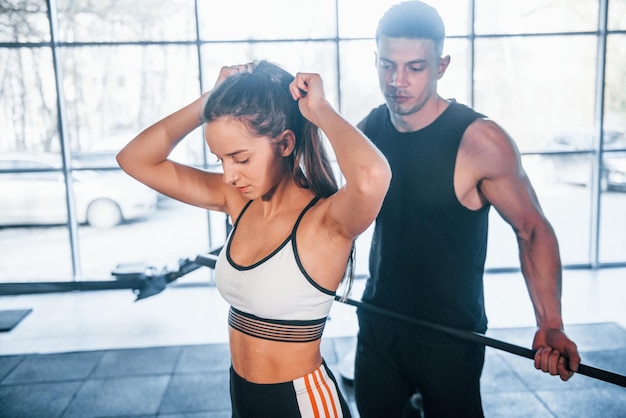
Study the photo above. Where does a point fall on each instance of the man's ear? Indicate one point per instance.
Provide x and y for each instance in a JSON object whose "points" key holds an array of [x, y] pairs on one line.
{"points": [[286, 143], [443, 66]]}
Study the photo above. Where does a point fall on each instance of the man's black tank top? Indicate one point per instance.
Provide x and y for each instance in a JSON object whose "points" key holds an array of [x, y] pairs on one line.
{"points": [[428, 251]]}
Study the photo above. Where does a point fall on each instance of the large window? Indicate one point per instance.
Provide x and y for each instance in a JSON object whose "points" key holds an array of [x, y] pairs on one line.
{"points": [[80, 78]]}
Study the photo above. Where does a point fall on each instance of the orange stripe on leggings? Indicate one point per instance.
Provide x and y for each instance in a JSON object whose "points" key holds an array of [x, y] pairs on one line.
{"points": [[318, 386], [309, 390], [330, 394]]}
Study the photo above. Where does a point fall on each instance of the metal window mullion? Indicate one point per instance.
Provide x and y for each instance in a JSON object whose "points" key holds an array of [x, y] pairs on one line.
{"points": [[201, 86], [337, 56], [65, 152], [472, 40], [599, 118]]}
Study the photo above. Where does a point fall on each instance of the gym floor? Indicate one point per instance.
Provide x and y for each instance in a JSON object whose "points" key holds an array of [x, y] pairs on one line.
{"points": [[103, 354]]}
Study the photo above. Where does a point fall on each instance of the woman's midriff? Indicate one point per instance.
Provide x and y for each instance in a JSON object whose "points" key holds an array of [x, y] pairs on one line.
{"points": [[264, 361]]}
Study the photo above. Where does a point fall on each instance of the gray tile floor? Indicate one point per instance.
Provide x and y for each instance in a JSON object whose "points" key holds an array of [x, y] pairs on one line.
{"points": [[101, 354]]}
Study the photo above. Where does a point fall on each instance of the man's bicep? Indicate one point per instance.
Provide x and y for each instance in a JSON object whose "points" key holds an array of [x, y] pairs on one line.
{"points": [[515, 200]]}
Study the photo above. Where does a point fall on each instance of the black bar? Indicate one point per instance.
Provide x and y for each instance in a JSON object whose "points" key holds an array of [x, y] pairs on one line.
{"points": [[26, 288], [476, 337]]}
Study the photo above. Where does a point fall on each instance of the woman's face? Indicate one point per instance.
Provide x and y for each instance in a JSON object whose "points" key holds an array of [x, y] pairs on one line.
{"points": [[252, 164]]}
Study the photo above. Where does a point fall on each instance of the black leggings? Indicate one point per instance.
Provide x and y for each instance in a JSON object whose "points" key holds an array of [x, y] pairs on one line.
{"points": [[391, 367], [313, 395]]}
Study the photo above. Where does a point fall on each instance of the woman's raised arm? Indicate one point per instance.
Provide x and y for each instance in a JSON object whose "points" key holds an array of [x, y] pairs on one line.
{"points": [[146, 157], [367, 174]]}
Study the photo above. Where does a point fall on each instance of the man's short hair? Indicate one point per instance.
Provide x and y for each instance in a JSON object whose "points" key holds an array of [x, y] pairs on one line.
{"points": [[413, 20]]}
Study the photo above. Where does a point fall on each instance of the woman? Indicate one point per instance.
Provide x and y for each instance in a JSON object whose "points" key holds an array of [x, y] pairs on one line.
{"points": [[293, 228]]}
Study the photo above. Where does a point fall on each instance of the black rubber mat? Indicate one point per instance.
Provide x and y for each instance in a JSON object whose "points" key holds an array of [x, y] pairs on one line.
{"points": [[193, 380]]}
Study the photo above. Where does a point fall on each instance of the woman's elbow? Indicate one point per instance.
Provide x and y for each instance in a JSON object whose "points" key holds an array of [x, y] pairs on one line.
{"points": [[376, 179], [129, 161], [122, 159], [382, 174]]}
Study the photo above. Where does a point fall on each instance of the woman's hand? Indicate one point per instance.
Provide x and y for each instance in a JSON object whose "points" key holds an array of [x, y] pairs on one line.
{"points": [[225, 72], [231, 70], [308, 89]]}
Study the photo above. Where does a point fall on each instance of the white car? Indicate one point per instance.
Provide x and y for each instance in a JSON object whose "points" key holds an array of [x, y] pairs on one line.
{"points": [[574, 165], [102, 198]]}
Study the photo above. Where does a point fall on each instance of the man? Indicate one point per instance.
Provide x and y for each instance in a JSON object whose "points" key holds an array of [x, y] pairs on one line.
{"points": [[450, 165]]}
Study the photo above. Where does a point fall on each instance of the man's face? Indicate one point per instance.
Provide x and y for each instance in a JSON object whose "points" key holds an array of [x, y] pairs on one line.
{"points": [[408, 70]]}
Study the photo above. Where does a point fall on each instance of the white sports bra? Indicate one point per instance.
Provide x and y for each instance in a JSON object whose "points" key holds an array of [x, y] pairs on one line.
{"points": [[275, 298]]}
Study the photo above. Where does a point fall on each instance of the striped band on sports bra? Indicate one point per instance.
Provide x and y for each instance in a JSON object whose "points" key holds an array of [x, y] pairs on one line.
{"points": [[276, 330]]}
